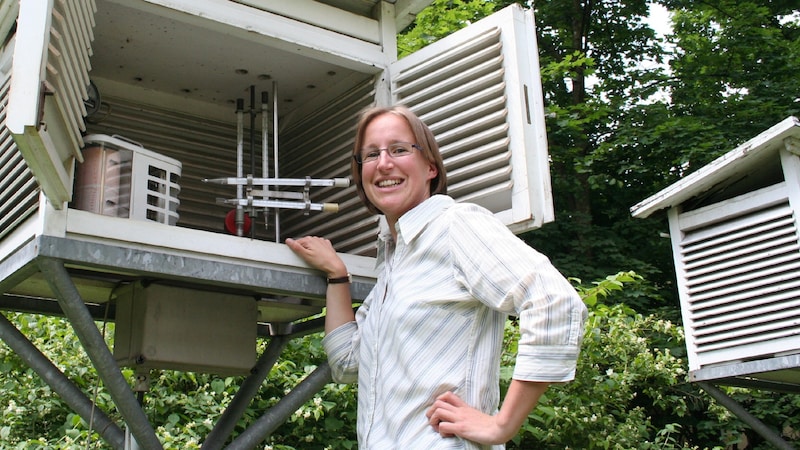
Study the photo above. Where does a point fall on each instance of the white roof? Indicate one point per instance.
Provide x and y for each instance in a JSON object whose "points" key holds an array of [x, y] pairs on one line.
{"points": [[740, 160]]}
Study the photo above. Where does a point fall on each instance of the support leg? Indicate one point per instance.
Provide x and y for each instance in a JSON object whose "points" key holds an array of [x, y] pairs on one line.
{"points": [[62, 385], [75, 310], [248, 390], [758, 426], [279, 413]]}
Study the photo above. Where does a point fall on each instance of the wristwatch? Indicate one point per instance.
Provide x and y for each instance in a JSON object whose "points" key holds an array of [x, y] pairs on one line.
{"points": [[345, 279]]}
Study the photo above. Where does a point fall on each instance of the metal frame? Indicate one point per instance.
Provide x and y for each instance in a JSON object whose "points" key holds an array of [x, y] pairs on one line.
{"points": [[55, 259]]}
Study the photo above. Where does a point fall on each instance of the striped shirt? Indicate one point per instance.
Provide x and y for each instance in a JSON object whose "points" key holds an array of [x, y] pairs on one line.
{"points": [[434, 323]]}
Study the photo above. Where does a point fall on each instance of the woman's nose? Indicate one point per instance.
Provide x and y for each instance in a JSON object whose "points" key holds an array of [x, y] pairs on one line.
{"points": [[384, 159]]}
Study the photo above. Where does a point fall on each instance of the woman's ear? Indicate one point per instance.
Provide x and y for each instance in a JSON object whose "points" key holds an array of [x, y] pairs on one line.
{"points": [[433, 172]]}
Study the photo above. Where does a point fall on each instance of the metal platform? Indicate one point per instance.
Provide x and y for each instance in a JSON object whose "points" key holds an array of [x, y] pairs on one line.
{"points": [[75, 274]]}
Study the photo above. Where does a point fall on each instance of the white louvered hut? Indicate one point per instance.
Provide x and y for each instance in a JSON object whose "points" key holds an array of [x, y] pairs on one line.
{"points": [[113, 112], [735, 231]]}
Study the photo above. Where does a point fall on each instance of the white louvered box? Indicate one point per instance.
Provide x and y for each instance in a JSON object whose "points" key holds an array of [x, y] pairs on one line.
{"points": [[735, 231], [739, 264], [121, 178]]}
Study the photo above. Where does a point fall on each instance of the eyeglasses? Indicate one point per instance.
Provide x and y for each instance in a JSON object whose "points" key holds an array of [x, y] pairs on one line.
{"points": [[396, 150]]}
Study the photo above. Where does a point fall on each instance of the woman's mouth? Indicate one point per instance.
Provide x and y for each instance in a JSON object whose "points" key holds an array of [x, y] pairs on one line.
{"points": [[389, 183]]}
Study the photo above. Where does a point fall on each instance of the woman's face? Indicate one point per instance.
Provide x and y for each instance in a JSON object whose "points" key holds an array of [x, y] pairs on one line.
{"points": [[395, 185]]}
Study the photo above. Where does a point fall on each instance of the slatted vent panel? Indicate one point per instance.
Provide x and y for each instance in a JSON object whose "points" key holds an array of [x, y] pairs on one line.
{"points": [[320, 146], [461, 96], [71, 35], [743, 284], [19, 192]]}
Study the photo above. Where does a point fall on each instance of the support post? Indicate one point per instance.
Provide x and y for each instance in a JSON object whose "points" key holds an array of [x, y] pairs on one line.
{"points": [[279, 413], [82, 322], [66, 389], [752, 421], [244, 396]]}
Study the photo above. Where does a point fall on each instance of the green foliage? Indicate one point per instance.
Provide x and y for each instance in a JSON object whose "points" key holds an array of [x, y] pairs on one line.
{"points": [[630, 391], [440, 19]]}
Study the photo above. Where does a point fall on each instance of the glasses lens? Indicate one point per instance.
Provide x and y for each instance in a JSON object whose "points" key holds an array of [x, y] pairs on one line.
{"points": [[395, 150]]}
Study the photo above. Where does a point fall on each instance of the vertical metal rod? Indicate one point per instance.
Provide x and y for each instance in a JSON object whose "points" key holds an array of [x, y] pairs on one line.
{"points": [[752, 421], [275, 153], [252, 130], [244, 396], [63, 386], [278, 414], [265, 146], [95, 346], [253, 113], [239, 163]]}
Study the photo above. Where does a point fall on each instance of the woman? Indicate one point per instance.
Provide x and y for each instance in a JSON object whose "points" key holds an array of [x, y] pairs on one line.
{"points": [[425, 345]]}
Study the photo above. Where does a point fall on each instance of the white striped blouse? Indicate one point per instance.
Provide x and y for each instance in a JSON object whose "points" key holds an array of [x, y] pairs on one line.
{"points": [[434, 323]]}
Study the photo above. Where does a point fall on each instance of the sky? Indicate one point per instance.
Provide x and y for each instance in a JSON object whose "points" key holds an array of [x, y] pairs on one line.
{"points": [[659, 19]]}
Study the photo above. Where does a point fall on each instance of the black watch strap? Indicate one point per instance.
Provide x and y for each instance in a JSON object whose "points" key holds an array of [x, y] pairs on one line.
{"points": [[345, 279]]}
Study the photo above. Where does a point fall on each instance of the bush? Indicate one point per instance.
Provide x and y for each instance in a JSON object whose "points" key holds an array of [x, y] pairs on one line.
{"points": [[630, 391]]}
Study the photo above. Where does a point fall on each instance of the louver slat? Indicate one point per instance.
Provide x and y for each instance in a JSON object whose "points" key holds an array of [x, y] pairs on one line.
{"points": [[740, 275]]}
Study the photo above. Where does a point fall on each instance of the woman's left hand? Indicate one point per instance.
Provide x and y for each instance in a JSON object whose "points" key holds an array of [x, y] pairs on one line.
{"points": [[451, 416]]}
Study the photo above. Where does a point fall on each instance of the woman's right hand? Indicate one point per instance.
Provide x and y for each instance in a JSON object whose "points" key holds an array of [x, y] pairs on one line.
{"points": [[319, 253]]}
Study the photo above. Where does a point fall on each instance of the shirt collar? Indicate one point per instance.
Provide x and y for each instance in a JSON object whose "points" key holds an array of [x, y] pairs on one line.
{"points": [[414, 221]]}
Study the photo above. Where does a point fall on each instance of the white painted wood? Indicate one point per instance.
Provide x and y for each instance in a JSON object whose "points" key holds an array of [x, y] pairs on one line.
{"points": [[49, 88], [745, 307], [8, 15], [752, 267], [324, 16], [735, 354], [479, 90], [719, 212], [32, 38], [737, 161], [738, 266], [277, 31]]}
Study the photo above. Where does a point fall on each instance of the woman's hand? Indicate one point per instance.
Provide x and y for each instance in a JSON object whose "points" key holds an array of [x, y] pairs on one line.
{"points": [[319, 253], [451, 416]]}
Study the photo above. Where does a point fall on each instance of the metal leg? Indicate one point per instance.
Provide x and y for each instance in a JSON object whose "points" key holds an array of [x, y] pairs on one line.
{"points": [[278, 414], [758, 426], [75, 310], [62, 385], [223, 428]]}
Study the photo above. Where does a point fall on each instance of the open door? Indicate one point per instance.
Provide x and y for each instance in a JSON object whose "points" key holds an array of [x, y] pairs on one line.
{"points": [[480, 92], [49, 83]]}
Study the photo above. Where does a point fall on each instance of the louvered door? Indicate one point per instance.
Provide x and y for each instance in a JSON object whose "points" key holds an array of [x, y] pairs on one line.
{"points": [[49, 80], [738, 263], [19, 192], [479, 90]]}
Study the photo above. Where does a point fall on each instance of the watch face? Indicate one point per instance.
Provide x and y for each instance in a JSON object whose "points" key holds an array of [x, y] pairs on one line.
{"points": [[92, 102]]}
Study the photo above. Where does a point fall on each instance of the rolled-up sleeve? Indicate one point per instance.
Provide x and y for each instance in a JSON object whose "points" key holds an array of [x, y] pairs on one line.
{"points": [[506, 274], [341, 345]]}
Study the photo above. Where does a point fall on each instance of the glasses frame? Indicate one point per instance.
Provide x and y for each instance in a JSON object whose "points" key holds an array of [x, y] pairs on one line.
{"points": [[357, 157]]}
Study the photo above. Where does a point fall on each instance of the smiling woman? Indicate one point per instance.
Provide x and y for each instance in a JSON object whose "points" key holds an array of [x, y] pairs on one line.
{"points": [[423, 384]]}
